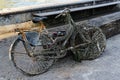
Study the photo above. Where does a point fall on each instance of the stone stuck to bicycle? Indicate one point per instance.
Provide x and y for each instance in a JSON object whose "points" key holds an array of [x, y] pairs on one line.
{"points": [[34, 52]]}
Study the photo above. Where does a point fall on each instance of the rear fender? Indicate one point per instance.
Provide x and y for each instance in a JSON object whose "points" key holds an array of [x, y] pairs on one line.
{"points": [[12, 45]]}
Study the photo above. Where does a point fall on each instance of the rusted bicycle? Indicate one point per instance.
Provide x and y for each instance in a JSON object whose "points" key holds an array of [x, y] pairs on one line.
{"points": [[34, 52]]}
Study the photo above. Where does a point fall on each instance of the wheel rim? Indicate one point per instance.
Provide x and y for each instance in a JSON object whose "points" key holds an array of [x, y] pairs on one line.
{"points": [[29, 65], [94, 49]]}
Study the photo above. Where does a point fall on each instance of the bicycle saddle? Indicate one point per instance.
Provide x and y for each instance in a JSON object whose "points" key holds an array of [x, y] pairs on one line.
{"points": [[37, 19]]}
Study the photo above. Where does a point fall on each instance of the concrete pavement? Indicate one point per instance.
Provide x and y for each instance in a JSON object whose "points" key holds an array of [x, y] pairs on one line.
{"points": [[106, 67]]}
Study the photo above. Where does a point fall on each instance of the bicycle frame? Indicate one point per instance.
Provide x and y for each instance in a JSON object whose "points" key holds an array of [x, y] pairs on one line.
{"points": [[43, 49], [70, 35], [72, 32]]}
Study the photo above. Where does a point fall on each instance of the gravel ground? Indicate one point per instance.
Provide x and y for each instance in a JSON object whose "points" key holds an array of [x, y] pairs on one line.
{"points": [[106, 67]]}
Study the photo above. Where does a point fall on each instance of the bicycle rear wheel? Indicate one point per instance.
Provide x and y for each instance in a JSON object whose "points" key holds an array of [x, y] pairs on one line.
{"points": [[29, 65]]}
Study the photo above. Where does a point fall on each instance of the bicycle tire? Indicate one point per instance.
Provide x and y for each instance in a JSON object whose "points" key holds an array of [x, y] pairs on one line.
{"points": [[92, 50], [26, 64]]}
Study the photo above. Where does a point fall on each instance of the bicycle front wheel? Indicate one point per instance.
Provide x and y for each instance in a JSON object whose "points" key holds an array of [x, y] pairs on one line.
{"points": [[92, 50], [29, 65]]}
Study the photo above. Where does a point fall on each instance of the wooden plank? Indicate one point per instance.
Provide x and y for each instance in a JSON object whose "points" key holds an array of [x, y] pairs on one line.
{"points": [[39, 7], [12, 27]]}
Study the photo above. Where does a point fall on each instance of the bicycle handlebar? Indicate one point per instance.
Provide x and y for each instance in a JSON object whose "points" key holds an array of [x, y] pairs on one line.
{"points": [[63, 13]]}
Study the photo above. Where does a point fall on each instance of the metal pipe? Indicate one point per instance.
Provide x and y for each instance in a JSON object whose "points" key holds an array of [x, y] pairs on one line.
{"points": [[77, 9]]}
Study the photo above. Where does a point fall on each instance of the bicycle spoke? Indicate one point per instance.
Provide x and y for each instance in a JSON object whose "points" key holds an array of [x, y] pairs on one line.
{"points": [[30, 65], [18, 52]]}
